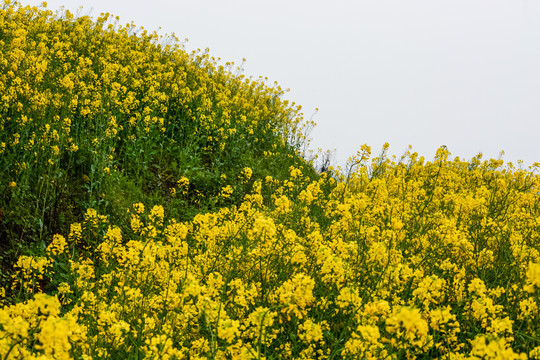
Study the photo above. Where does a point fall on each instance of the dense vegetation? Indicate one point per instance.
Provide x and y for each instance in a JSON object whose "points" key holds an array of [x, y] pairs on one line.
{"points": [[95, 115], [154, 204]]}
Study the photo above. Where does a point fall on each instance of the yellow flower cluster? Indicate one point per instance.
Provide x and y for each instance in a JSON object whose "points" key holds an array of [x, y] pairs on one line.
{"points": [[88, 102], [226, 192], [405, 259], [129, 86], [36, 330], [183, 185], [394, 259], [246, 174]]}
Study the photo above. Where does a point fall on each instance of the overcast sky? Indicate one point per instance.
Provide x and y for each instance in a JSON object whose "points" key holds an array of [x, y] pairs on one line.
{"points": [[460, 73]]}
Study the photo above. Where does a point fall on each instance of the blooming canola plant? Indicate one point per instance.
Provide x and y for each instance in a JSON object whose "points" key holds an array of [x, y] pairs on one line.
{"points": [[156, 232]]}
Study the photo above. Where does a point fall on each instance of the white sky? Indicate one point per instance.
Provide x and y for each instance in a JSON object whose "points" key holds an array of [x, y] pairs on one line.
{"points": [[460, 73]]}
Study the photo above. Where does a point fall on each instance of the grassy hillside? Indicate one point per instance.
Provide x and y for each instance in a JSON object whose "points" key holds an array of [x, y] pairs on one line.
{"points": [[153, 204], [99, 115]]}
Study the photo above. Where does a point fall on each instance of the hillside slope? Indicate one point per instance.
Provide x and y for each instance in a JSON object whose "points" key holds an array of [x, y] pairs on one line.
{"points": [[94, 114], [154, 205]]}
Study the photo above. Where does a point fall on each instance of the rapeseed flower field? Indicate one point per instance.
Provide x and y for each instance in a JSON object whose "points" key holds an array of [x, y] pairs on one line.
{"points": [[155, 204]]}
